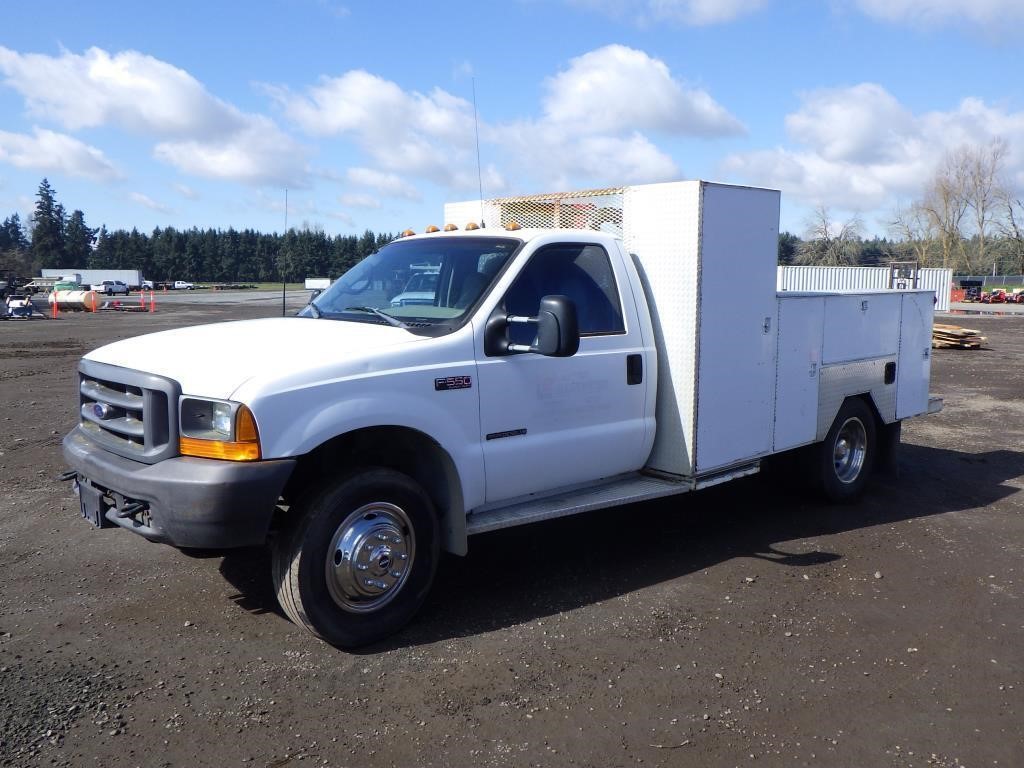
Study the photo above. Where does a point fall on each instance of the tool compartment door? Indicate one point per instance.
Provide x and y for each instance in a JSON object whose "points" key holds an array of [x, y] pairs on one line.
{"points": [[801, 323], [738, 314], [913, 369]]}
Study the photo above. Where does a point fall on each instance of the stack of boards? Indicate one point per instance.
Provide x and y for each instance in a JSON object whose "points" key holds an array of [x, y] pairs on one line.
{"points": [[955, 337]]}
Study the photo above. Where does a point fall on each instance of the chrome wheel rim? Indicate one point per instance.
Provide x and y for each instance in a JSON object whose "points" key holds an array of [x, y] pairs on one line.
{"points": [[849, 450], [370, 557]]}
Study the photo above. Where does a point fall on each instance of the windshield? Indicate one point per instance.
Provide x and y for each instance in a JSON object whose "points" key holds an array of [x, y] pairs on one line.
{"points": [[424, 282]]}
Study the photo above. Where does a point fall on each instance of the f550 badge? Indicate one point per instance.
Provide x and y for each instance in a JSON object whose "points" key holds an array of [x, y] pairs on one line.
{"points": [[453, 382]]}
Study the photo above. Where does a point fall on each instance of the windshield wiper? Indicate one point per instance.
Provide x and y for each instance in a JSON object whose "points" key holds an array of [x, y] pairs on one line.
{"points": [[383, 315]]}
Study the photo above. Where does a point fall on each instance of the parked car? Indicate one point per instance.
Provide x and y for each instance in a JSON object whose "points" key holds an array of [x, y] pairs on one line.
{"points": [[182, 285], [110, 288], [419, 290]]}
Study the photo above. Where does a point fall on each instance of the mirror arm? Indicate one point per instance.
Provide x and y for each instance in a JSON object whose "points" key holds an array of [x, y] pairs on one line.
{"points": [[520, 320]]}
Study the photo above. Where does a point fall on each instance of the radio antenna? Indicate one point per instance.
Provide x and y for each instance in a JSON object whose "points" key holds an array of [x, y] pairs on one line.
{"points": [[479, 172], [284, 283]]}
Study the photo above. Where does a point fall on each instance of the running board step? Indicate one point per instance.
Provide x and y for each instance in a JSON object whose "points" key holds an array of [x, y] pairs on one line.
{"points": [[627, 490]]}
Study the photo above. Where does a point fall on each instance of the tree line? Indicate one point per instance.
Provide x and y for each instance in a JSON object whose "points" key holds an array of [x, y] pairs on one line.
{"points": [[965, 219], [54, 239]]}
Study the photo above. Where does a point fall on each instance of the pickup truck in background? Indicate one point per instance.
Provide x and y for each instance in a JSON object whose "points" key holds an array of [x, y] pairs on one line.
{"points": [[183, 285], [583, 361], [110, 288]]}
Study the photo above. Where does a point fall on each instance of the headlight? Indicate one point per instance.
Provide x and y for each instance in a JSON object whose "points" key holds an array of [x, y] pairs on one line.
{"points": [[217, 429]]}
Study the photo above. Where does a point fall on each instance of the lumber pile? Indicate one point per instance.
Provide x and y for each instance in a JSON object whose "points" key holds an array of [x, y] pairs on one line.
{"points": [[955, 337]]}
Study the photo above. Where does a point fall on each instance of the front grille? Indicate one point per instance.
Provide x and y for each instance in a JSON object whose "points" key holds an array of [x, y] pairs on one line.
{"points": [[131, 413]]}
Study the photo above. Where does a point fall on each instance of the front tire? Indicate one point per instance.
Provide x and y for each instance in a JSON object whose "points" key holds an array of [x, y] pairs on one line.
{"points": [[357, 557], [846, 457]]}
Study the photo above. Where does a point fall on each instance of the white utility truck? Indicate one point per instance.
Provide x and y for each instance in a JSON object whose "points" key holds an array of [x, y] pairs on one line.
{"points": [[623, 345]]}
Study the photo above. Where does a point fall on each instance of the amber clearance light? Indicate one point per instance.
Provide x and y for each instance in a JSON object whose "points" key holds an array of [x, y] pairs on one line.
{"points": [[244, 447]]}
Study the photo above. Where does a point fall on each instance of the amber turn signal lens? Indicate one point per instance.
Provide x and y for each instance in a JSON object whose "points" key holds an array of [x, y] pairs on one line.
{"points": [[245, 426], [218, 449], [245, 446]]}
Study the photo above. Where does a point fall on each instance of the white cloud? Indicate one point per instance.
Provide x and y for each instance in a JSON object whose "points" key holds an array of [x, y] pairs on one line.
{"points": [[200, 134], [128, 89], [860, 149], [594, 126], [615, 89], [147, 202], [259, 154], [422, 135], [343, 217], [390, 184], [689, 12], [359, 200], [186, 191], [595, 115], [994, 15], [46, 150], [559, 162], [861, 124]]}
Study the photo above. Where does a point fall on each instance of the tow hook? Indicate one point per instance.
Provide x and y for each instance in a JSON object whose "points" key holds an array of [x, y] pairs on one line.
{"points": [[69, 475], [130, 509]]}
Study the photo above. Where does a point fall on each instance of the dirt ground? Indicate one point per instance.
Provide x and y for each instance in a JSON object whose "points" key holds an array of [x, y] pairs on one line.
{"points": [[744, 625]]}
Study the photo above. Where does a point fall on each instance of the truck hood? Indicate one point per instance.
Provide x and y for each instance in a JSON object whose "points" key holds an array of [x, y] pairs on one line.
{"points": [[215, 360]]}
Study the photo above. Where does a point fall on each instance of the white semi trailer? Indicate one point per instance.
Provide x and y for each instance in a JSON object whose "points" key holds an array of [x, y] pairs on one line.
{"points": [[130, 277], [632, 347]]}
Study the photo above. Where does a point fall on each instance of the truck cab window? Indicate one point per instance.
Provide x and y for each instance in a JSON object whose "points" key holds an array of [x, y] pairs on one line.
{"points": [[581, 271]]}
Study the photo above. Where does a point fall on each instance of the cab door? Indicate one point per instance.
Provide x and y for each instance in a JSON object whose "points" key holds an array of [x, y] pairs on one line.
{"points": [[548, 422]]}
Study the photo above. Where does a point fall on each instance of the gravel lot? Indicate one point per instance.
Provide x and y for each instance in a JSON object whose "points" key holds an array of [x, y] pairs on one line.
{"points": [[744, 625]]}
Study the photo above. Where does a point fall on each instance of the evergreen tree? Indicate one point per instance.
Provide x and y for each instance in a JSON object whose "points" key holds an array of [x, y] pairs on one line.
{"points": [[78, 240], [788, 245], [48, 228], [12, 235]]}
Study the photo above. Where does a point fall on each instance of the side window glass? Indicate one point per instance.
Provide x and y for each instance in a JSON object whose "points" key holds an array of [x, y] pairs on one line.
{"points": [[580, 271]]}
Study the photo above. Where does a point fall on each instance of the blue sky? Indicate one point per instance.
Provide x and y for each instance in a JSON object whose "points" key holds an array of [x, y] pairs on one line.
{"points": [[201, 113]]}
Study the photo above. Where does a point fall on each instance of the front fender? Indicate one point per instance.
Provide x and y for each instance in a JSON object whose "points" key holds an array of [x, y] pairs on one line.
{"points": [[294, 422]]}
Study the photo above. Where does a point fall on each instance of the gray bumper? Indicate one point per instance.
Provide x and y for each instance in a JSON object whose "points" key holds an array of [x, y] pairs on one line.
{"points": [[187, 502]]}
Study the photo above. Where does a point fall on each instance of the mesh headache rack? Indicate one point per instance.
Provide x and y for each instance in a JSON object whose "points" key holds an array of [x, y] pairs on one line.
{"points": [[599, 209]]}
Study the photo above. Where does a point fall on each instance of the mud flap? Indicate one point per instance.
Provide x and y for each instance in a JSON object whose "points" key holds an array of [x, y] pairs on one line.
{"points": [[888, 449]]}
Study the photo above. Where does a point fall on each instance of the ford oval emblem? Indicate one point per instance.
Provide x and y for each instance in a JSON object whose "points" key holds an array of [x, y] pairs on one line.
{"points": [[102, 410]]}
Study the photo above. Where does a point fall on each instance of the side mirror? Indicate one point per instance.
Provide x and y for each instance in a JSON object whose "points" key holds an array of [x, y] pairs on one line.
{"points": [[314, 294], [558, 332]]}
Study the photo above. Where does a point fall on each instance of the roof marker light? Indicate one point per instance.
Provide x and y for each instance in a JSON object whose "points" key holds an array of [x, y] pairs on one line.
{"points": [[431, 229], [450, 227], [472, 225]]}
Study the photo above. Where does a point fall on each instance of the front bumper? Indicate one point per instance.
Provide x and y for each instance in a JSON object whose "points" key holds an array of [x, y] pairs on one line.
{"points": [[183, 501]]}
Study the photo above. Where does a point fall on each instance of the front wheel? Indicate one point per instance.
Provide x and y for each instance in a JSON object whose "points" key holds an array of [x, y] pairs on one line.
{"points": [[357, 557], [846, 457]]}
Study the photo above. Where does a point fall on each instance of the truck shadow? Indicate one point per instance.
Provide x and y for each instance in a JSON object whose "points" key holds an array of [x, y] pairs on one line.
{"points": [[523, 574]]}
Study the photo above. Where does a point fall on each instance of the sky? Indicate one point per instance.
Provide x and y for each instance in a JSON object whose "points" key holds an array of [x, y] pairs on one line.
{"points": [[204, 113]]}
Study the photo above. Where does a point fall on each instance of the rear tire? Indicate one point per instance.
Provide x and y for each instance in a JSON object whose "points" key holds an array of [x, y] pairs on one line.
{"points": [[846, 458], [357, 557]]}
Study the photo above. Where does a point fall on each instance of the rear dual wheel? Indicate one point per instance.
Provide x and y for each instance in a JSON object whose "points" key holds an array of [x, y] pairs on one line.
{"points": [[357, 557]]}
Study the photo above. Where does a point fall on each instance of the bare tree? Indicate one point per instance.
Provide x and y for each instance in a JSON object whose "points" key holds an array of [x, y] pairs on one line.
{"points": [[984, 167], [1011, 225], [830, 243], [945, 203], [915, 227]]}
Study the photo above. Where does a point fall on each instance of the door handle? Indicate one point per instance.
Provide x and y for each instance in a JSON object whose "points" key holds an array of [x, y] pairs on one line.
{"points": [[634, 369]]}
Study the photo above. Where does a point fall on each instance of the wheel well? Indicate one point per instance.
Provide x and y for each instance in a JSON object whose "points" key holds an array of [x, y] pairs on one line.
{"points": [[870, 402], [399, 448]]}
